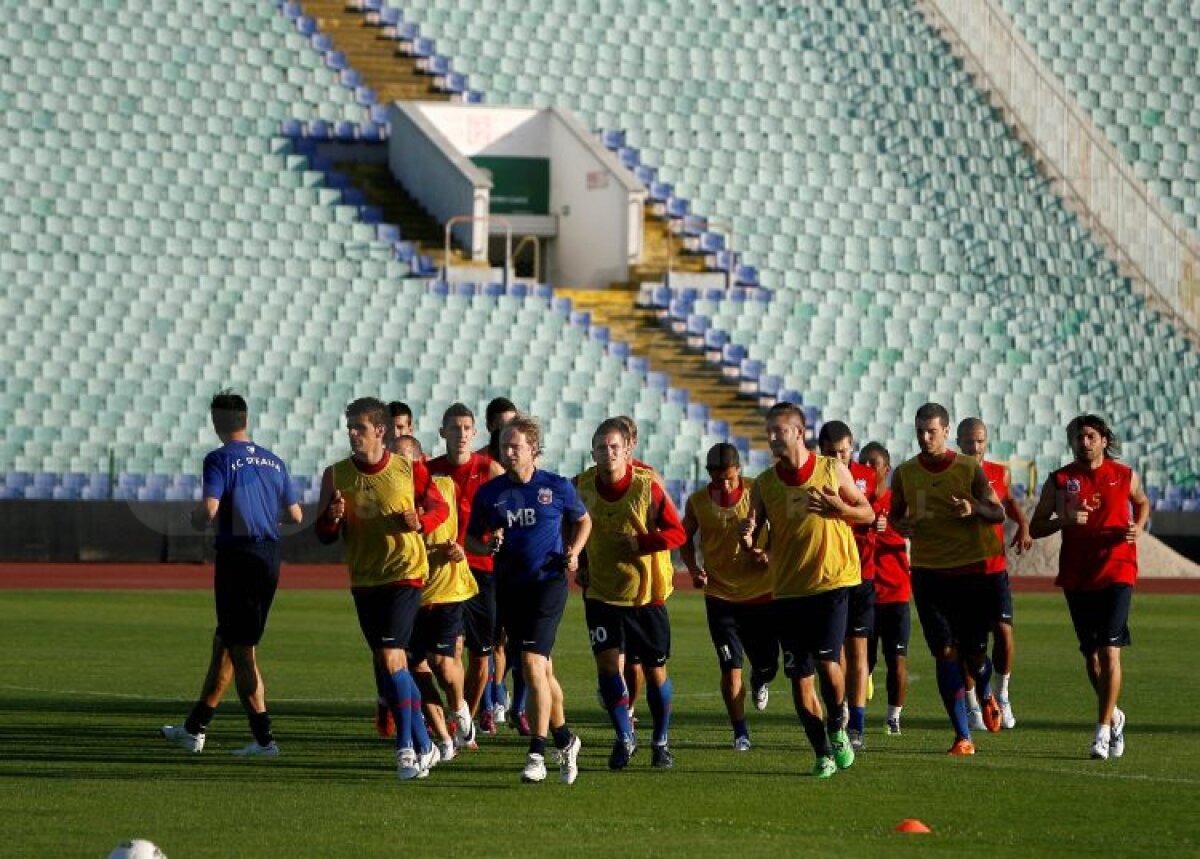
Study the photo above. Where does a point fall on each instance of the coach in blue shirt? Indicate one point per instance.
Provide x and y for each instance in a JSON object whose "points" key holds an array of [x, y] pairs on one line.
{"points": [[246, 487]]}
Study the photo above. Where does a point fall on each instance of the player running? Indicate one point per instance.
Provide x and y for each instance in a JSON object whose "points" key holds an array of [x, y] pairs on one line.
{"points": [[533, 521], [943, 503], [736, 583], [470, 471], [245, 488], [625, 592], [437, 636], [836, 440], [371, 501], [809, 502], [973, 441], [1089, 501], [893, 589]]}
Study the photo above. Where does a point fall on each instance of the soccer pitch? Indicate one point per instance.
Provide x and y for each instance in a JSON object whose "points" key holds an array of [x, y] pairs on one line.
{"points": [[88, 677]]}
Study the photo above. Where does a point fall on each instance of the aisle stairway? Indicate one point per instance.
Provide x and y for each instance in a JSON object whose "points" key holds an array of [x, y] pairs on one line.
{"points": [[668, 353]]}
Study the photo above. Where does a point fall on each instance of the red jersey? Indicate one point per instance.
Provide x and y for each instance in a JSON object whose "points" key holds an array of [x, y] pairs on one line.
{"points": [[864, 535], [889, 558], [1095, 555], [996, 475], [467, 478]]}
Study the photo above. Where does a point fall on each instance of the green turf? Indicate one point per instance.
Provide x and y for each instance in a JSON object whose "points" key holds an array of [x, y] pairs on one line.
{"points": [[86, 678]]}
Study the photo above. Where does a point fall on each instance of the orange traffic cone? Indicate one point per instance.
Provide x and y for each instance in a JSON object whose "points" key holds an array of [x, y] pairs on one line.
{"points": [[913, 825]]}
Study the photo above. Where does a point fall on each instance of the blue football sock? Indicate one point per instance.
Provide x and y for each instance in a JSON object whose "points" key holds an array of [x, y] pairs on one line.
{"points": [[739, 728], [487, 699], [858, 718], [983, 679], [659, 699], [616, 700], [499, 693], [420, 733], [520, 693], [401, 683], [954, 695]]}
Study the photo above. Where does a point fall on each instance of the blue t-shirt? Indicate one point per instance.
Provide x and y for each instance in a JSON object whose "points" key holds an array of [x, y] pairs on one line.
{"points": [[252, 485], [531, 515]]}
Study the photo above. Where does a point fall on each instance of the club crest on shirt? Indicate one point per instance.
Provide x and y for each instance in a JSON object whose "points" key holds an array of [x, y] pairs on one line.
{"points": [[1072, 485], [250, 449], [545, 496], [861, 483]]}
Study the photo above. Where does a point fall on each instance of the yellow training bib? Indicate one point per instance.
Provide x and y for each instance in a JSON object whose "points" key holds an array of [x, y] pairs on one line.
{"points": [[732, 574], [612, 578], [376, 551], [449, 581], [941, 539]]}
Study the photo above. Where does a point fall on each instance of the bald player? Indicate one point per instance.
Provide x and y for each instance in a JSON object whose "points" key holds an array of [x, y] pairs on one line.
{"points": [[973, 441], [809, 503], [942, 502]]}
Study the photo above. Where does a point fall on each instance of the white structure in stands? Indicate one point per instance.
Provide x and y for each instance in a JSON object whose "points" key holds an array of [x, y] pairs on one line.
{"points": [[590, 214]]}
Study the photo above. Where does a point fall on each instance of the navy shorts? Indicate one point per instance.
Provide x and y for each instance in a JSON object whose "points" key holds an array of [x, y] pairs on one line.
{"points": [[740, 630], [530, 613], [1101, 618], [641, 631], [955, 610], [437, 630], [860, 610], [1001, 598], [810, 629], [893, 626], [480, 625], [245, 577], [387, 615]]}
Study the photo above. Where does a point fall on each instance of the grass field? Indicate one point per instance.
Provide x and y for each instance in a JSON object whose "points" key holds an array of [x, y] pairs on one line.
{"points": [[86, 679]]}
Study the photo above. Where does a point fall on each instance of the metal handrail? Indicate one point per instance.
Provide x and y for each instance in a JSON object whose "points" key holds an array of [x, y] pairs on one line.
{"points": [[537, 255], [952, 15], [466, 219]]}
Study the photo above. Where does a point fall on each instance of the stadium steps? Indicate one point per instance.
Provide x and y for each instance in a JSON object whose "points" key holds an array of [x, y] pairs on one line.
{"points": [[668, 353], [657, 246], [393, 77], [399, 207]]}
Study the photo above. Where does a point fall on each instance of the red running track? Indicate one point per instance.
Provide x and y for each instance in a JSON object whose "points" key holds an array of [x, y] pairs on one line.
{"points": [[333, 576]]}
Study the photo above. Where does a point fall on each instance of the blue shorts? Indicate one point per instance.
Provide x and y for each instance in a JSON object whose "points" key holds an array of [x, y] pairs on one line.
{"points": [[893, 626], [530, 613], [743, 629], [810, 630], [1101, 618], [245, 577], [641, 631], [436, 631], [1001, 598], [481, 627], [955, 610], [860, 610], [387, 615]]}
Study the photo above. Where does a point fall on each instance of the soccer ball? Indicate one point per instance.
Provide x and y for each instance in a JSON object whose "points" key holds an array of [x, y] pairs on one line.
{"points": [[137, 848]]}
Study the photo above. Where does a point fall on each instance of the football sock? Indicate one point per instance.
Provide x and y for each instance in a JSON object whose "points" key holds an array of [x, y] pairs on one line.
{"points": [[659, 699], [616, 700], [858, 718], [420, 731], [260, 726], [537, 746], [487, 700], [983, 679], [499, 693], [462, 718], [197, 720], [562, 736], [739, 728], [893, 712], [814, 727], [1002, 685], [954, 697], [972, 699], [402, 712], [520, 693]]}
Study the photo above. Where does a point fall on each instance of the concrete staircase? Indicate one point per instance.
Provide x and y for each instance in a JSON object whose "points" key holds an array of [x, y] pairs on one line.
{"points": [[393, 77], [668, 353]]}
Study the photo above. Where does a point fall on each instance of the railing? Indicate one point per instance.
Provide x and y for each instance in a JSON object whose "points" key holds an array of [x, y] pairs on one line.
{"points": [[537, 254], [1116, 204], [467, 219]]}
